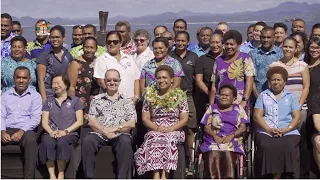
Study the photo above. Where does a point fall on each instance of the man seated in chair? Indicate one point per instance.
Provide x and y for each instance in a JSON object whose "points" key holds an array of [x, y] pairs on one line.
{"points": [[20, 116], [111, 117]]}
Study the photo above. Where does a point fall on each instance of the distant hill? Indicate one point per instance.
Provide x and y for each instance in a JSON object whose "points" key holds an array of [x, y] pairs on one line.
{"points": [[287, 10]]}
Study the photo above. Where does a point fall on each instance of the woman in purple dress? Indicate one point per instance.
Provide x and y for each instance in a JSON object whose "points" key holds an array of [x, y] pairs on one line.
{"points": [[224, 124], [234, 67]]}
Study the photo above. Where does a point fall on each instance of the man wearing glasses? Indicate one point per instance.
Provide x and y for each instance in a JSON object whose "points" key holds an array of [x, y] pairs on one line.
{"points": [[128, 46]]}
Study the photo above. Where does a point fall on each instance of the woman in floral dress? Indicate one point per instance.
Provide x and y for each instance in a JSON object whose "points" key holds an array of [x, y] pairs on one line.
{"points": [[234, 68], [80, 73], [165, 113]]}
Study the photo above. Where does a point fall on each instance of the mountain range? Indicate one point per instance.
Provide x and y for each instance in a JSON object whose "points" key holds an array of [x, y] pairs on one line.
{"points": [[282, 12]]}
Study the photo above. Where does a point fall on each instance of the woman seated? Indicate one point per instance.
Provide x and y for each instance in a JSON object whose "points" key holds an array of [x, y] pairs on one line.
{"points": [[277, 114], [224, 124], [165, 113], [62, 115]]}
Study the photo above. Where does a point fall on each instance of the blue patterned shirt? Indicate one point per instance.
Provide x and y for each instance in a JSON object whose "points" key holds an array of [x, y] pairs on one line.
{"points": [[6, 46], [247, 47], [261, 61], [8, 65], [35, 48], [199, 50]]}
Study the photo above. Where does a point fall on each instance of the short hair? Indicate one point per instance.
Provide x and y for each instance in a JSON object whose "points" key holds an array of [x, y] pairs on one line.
{"points": [[231, 87], [6, 16], [142, 32], [204, 29], [90, 38], [303, 36], [64, 78], [166, 68], [124, 23], [91, 26], [183, 33], [298, 19], [41, 21], [161, 39], [163, 26], [250, 26], [19, 38], [59, 28], [315, 26], [233, 34], [277, 70], [77, 27], [260, 23], [16, 23], [291, 39], [115, 33], [223, 23], [180, 20], [219, 32], [313, 39], [267, 28], [280, 25], [112, 70], [21, 68]]}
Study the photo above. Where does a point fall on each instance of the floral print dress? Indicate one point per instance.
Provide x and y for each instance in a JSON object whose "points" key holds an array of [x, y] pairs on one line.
{"points": [[86, 86]]}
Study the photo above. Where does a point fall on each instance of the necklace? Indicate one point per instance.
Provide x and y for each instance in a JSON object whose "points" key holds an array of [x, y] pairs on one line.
{"points": [[314, 65]]}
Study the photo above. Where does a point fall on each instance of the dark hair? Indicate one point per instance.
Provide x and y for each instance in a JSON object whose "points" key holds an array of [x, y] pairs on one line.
{"points": [[90, 26], [19, 38], [280, 25], [166, 68], [291, 39], [161, 39], [260, 23], [298, 19], [180, 20], [277, 70], [154, 30], [16, 23], [77, 27], [41, 21], [267, 28], [204, 29], [59, 28], [313, 39], [22, 68], [64, 78], [219, 32], [183, 33], [315, 26], [233, 34], [303, 36], [231, 87], [251, 26], [124, 23], [115, 33], [90, 38], [6, 16]]}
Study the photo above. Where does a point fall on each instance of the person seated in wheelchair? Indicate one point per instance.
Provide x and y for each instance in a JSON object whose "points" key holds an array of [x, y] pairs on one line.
{"points": [[277, 114], [20, 116], [62, 116], [165, 113], [111, 117], [224, 125]]}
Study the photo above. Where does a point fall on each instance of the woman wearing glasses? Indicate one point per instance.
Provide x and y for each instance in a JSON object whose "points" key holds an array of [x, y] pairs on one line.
{"points": [[143, 52], [125, 64], [277, 114]]}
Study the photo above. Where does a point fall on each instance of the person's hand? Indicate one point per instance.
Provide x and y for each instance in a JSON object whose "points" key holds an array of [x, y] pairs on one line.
{"points": [[5, 137], [53, 134], [60, 134], [274, 132], [168, 129], [16, 137], [135, 100], [243, 104], [111, 130], [161, 129], [284, 131], [217, 139], [227, 139], [111, 135]]}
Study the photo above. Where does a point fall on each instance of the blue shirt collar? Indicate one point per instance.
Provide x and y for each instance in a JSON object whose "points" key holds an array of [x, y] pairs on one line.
{"points": [[285, 92], [273, 50]]}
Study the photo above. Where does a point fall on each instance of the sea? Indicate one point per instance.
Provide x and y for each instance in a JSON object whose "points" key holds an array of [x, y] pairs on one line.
{"points": [[29, 32]]}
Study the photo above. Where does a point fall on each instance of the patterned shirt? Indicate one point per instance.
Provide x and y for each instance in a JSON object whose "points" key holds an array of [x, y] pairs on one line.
{"points": [[78, 51], [278, 112], [35, 48], [110, 113], [261, 61], [149, 70], [200, 51], [129, 49], [6, 46], [247, 47]]}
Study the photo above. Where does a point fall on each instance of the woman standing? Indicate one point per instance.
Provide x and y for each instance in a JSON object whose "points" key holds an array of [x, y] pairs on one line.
{"points": [[302, 40], [143, 52], [16, 59], [80, 73]]}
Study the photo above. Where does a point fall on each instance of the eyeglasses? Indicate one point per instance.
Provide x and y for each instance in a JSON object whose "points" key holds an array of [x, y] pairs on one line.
{"points": [[139, 40], [114, 80], [115, 42], [168, 38]]}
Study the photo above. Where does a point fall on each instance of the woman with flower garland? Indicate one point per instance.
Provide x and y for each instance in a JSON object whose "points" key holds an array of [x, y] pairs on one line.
{"points": [[165, 113]]}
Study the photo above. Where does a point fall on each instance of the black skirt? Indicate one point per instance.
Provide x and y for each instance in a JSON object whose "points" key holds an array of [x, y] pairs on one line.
{"points": [[277, 155]]}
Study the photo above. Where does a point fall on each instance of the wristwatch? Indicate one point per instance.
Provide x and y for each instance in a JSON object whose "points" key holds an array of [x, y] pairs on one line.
{"points": [[244, 99]]}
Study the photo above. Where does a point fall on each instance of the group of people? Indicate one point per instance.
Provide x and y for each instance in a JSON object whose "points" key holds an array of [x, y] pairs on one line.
{"points": [[266, 84]]}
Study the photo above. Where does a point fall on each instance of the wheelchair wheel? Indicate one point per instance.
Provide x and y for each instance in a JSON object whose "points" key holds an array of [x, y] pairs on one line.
{"points": [[200, 167]]}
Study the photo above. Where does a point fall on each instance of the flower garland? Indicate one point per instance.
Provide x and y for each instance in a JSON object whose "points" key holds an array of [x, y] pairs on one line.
{"points": [[171, 100]]}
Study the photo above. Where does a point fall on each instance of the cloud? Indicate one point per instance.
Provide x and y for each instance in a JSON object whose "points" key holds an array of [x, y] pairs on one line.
{"points": [[131, 8]]}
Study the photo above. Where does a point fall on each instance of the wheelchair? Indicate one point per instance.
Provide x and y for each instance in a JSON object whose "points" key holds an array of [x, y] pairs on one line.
{"points": [[244, 167]]}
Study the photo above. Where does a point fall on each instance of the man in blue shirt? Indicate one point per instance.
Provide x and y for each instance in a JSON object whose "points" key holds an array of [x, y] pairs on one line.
{"points": [[181, 25], [20, 116], [6, 34], [255, 42], [204, 44], [262, 57]]}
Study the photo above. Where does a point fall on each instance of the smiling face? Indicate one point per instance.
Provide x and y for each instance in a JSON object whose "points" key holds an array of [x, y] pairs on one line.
{"points": [[22, 79], [112, 80], [314, 50], [223, 27], [58, 86], [113, 44], [89, 49], [6, 27], [289, 48], [300, 45], [205, 36], [280, 35], [179, 26], [181, 42], [141, 43], [231, 47], [277, 83], [216, 44], [18, 50], [250, 33], [160, 51], [257, 32], [88, 32], [77, 36], [56, 39], [164, 80]]}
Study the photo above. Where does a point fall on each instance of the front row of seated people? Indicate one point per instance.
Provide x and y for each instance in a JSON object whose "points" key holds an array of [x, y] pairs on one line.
{"points": [[165, 113]]}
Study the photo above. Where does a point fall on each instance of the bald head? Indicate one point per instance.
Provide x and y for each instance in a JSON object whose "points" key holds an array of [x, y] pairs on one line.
{"points": [[169, 36]]}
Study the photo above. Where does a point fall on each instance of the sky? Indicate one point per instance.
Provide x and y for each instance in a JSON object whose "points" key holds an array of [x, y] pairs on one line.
{"points": [[130, 8]]}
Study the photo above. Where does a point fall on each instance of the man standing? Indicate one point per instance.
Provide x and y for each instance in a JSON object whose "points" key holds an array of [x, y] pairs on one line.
{"points": [[223, 26], [315, 30], [20, 116], [255, 42], [298, 25], [280, 30], [6, 34], [169, 36], [16, 28], [249, 33], [88, 30], [204, 41], [111, 117], [76, 36], [181, 25], [262, 57], [158, 30], [128, 47]]}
